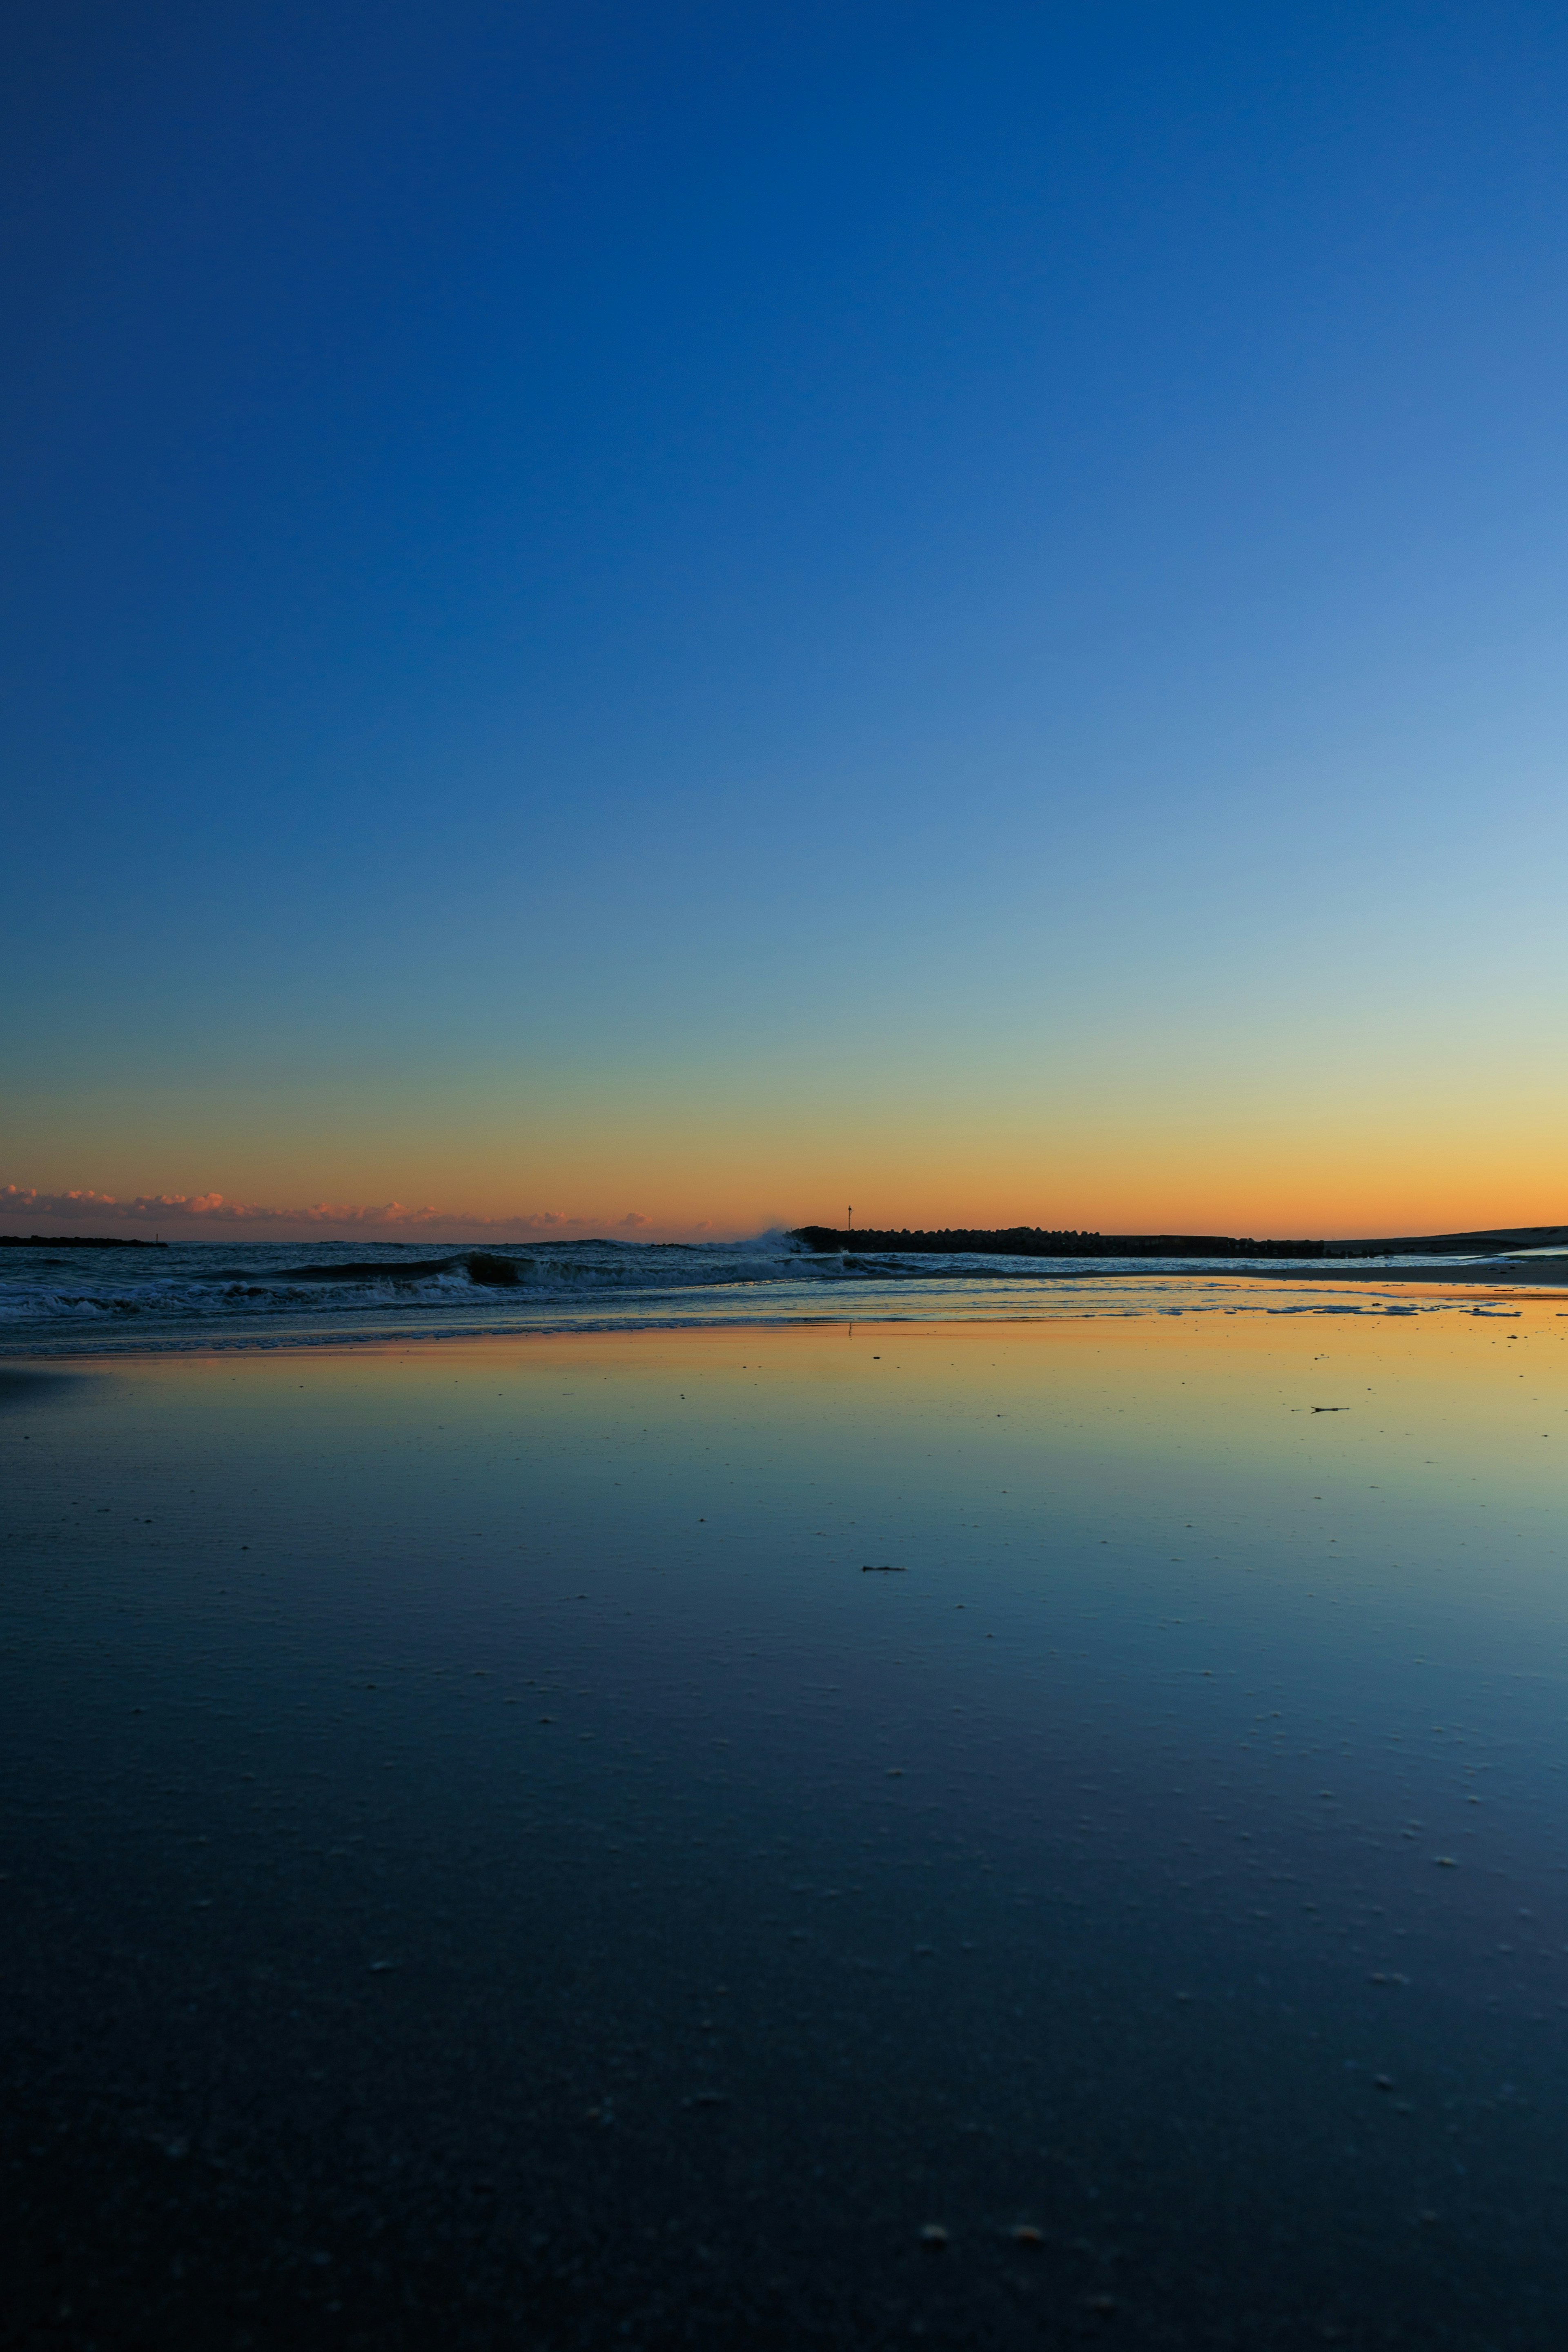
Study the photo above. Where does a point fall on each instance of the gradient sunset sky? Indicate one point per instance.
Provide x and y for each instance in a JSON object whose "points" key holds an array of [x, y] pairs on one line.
{"points": [[697, 614]]}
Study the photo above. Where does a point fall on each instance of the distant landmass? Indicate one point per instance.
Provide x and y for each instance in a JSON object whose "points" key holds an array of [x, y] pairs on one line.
{"points": [[1038, 1241], [75, 1240]]}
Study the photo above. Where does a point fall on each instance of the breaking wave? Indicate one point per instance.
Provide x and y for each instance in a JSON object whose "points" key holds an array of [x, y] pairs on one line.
{"points": [[203, 1294]]}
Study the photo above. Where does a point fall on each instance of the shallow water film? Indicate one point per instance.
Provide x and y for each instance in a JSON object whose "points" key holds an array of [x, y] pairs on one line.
{"points": [[977, 1836]]}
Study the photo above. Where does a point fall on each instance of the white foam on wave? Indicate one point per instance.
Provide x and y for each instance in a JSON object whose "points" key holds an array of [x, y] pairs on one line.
{"points": [[251, 1283], [280, 1294]]}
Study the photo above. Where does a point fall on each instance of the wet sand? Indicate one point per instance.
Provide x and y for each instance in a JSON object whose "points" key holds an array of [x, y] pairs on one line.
{"points": [[486, 1864]]}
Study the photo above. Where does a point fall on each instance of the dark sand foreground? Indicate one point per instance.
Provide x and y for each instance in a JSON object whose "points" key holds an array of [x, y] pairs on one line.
{"points": [[985, 1837]]}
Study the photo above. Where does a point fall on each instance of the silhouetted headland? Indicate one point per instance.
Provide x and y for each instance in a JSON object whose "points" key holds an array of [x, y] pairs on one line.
{"points": [[76, 1241], [1038, 1241]]}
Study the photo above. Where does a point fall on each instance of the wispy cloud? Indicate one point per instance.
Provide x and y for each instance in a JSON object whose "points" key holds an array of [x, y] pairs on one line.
{"points": [[199, 1211]]}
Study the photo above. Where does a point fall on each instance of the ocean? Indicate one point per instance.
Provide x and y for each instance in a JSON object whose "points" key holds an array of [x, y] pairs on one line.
{"points": [[66, 1301]]}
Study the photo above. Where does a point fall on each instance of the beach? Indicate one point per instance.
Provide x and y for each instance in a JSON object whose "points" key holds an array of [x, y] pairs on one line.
{"points": [[839, 1833], [784, 1277]]}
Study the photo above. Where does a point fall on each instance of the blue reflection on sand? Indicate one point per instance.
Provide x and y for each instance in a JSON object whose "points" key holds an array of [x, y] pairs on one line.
{"points": [[493, 1764]]}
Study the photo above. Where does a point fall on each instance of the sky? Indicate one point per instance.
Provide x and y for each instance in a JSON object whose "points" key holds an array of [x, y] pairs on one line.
{"points": [[662, 619]]}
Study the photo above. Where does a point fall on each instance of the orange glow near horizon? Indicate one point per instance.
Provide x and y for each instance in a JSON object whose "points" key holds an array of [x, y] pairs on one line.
{"points": [[1285, 1161], [1262, 1201]]}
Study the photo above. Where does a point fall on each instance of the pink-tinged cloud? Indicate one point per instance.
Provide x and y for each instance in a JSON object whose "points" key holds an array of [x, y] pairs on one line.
{"points": [[193, 1213]]}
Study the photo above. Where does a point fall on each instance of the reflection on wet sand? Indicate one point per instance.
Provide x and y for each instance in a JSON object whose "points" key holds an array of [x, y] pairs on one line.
{"points": [[490, 1864]]}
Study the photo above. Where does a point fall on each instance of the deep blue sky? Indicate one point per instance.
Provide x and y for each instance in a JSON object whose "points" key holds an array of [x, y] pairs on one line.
{"points": [[715, 609]]}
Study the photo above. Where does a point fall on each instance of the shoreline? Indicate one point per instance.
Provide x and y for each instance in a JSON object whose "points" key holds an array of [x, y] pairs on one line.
{"points": [[1440, 1287], [1548, 1274]]}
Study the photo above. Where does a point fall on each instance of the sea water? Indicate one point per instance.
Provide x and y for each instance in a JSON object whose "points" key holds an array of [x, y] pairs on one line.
{"points": [[981, 1834], [63, 1300]]}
